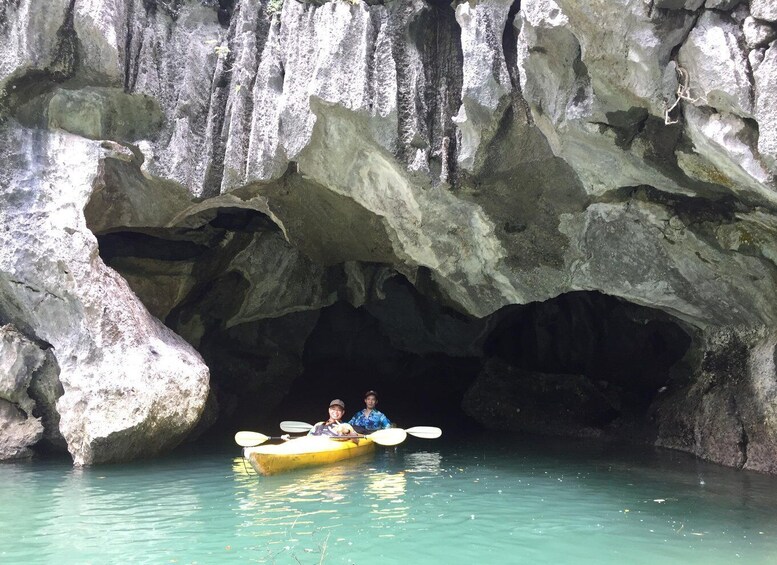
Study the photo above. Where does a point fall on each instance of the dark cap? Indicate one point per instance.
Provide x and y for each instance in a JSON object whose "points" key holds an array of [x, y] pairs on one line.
{"points": [[337, 402], [371, 393]]}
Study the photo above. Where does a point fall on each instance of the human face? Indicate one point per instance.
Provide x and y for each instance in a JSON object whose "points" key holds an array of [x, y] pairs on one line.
{"points": [[370, 401], [336, 412]]}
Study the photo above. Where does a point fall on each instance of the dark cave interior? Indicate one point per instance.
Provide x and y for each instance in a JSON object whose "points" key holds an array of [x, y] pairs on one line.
{"points": [[582, 359]]}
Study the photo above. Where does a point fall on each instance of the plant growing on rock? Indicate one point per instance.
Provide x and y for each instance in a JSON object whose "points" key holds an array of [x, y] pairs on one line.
{"points": [[273, 8]]}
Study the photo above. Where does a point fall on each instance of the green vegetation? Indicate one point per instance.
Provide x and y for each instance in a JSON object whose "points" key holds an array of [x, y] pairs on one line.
{"points": [[273, 8]]}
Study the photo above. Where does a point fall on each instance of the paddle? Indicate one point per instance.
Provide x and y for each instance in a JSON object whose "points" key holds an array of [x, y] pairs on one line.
{"points": [[251, 439], [425, 432], [390, 436]]}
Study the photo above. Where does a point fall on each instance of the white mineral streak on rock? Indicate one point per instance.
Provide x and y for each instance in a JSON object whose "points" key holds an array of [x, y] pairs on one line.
{"points": [[764, 10], [175, 65], [336, 53], [246, 92], [131, 386], [101, 29], [19, 359], [265, 156], [28, 35], [486, 81], [765, 103], [715, 60]]}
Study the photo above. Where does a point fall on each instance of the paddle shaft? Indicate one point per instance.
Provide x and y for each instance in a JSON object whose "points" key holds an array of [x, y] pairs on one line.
{"points": [[425, 432]]}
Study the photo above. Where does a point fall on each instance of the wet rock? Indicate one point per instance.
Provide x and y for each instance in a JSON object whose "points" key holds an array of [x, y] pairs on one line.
{"points": [[507, 398], [726, 412], [19, 428]]}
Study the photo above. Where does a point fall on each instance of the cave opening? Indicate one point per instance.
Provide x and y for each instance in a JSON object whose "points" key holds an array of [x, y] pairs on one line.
{"points": [[583, 364], [580, 364]]}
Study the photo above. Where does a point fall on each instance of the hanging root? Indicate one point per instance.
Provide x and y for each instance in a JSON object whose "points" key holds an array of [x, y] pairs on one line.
{"points": [[683, 93]]}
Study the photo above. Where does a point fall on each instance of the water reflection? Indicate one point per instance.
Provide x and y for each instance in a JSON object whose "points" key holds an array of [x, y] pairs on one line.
{"points": [[423, 462], [386, 494], [481, 504], [387, 487], [306, 511], [75, 513]]}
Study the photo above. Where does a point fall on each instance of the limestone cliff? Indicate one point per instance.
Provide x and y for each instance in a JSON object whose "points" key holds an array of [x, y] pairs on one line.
{"points": [[273, 158]]}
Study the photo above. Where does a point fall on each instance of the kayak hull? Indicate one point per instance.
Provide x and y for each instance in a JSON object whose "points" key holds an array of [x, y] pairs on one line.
{"points": [[308, 451]]}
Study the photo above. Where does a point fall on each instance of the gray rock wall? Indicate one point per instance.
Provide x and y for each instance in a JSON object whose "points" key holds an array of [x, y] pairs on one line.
{"points": [[131, 386], [501, 153]]}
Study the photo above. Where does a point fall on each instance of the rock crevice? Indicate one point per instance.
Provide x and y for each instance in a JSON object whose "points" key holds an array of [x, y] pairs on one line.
{"points": [[238, 168]]}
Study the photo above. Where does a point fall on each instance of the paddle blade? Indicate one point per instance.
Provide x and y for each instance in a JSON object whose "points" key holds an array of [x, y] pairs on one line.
{"points": [[295, 427], [426, 432], [389, 436], [250, 439]]}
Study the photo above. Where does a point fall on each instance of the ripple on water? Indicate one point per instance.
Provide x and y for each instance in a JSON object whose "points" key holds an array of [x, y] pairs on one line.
{"points": [[458, 504]]}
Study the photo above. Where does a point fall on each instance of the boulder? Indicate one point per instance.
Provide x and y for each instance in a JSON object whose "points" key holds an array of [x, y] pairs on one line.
{"points": [[725, 411], [19, 359], [131, 386]]}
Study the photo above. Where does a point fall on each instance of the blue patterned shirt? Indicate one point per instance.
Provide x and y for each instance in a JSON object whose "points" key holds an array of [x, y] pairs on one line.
{"points": [[375, 421]]}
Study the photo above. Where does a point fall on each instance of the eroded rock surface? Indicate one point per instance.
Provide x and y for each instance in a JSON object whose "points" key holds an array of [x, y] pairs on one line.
{"points": [[19, 359], [131, 386], [257, 167]]}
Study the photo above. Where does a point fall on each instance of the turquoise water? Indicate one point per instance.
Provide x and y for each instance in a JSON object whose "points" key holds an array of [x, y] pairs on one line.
{"points": [[478, 500]]}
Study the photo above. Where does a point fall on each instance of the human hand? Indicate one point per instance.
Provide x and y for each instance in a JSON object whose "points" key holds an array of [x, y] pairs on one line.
{"points": [[344, 430]]}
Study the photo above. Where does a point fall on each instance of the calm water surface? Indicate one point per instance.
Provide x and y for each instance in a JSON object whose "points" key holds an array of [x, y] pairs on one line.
{"points": [[469, 501]]}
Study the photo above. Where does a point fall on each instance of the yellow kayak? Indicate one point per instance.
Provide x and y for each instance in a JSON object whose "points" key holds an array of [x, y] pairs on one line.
{"points": [[307, 451]]}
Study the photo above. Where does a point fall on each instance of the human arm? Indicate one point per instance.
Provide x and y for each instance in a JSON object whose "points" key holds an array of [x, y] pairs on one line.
{"points": [[316, 429]]}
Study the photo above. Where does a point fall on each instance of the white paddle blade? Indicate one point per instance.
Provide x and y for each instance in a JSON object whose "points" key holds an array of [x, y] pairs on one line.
{"points": [[295, 427], [426, 432], [389, 436], [250, 439]]}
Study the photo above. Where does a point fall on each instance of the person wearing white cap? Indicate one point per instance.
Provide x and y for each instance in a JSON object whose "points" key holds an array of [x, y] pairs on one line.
{"points": [[333, 426]]}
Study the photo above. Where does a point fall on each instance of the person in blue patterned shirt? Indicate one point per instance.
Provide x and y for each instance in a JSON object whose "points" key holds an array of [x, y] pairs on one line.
{"points": [[369, 419]]}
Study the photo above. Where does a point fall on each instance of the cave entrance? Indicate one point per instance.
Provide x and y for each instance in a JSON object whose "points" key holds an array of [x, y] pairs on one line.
{"points": [[579, 364], [352, 350], [582, 364]]}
